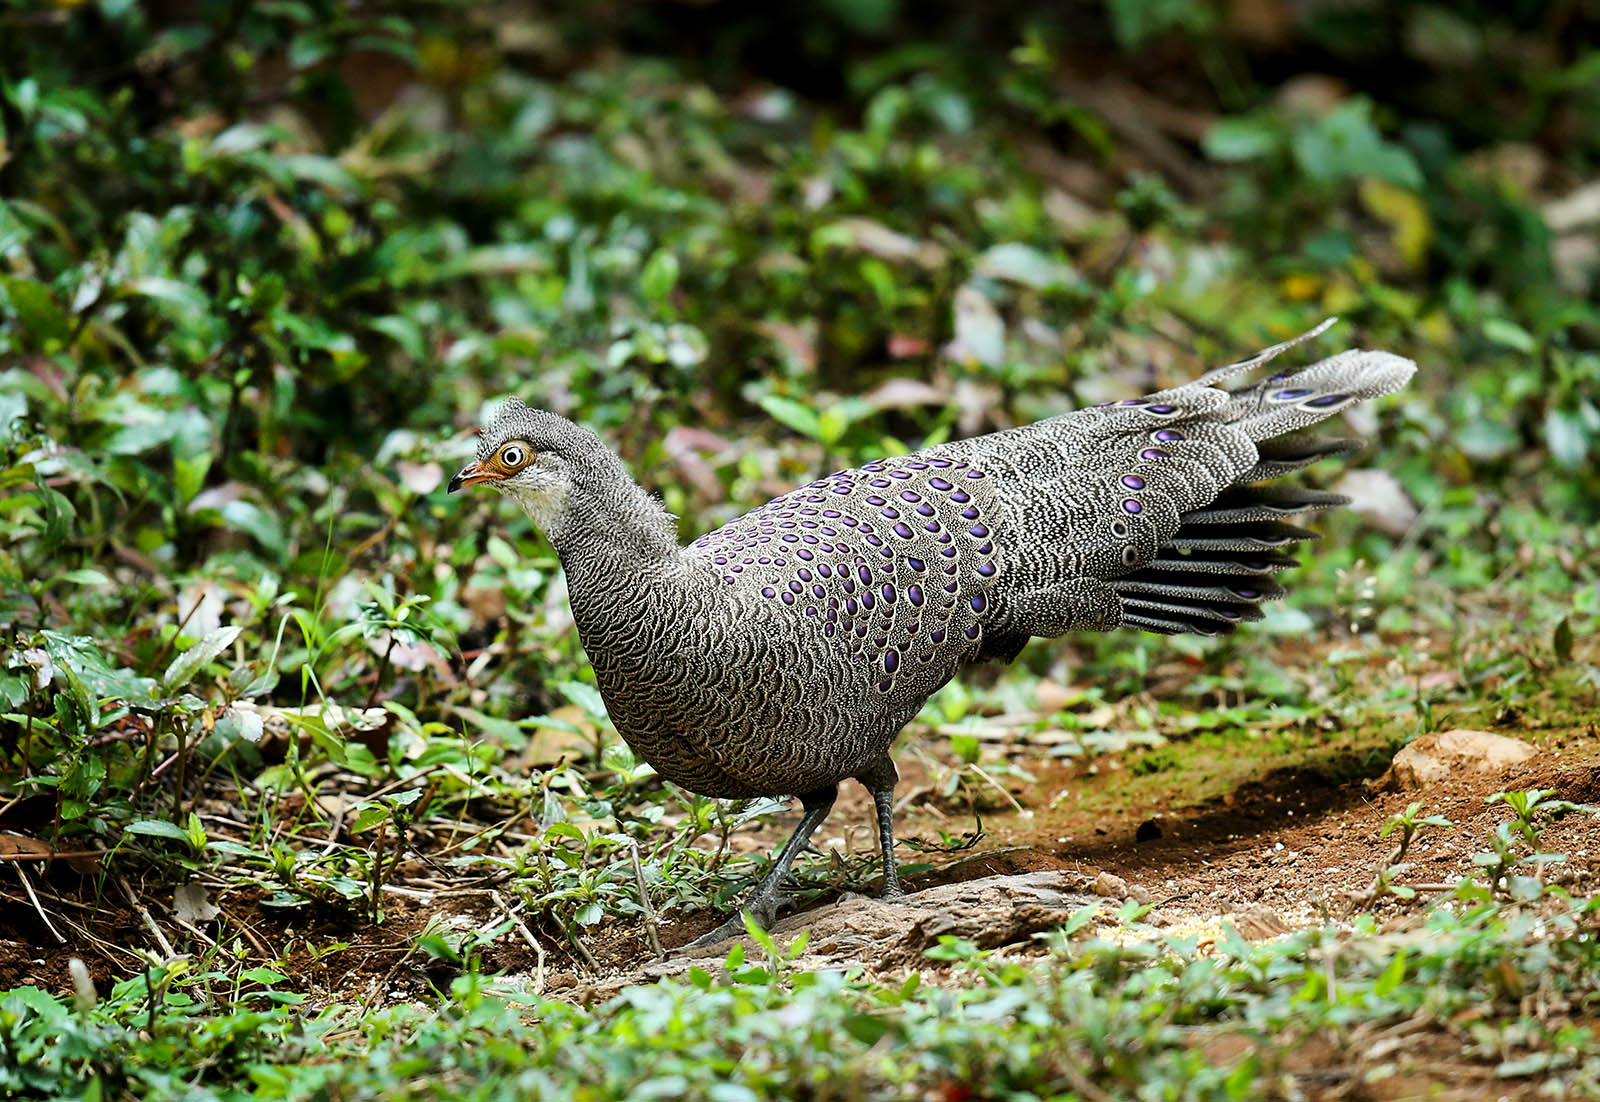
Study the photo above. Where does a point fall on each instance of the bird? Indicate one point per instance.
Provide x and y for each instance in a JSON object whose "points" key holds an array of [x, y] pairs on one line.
{"points": [[782, 653]]}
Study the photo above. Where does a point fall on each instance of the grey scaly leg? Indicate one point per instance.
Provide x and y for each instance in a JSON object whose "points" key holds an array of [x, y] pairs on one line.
{"points": [[880, 778], [884, 798], [763, 904]]}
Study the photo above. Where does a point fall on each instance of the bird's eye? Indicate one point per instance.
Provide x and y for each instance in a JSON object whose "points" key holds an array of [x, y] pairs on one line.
{"points": [[513, 455]]}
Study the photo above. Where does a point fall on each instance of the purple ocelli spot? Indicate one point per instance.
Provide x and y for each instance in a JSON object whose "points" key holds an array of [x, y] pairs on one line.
{"points": [[1153, 453], [1133, 482], [891, 660], [903, 531], [1168, 436], [914, 594], [1132, 506]]}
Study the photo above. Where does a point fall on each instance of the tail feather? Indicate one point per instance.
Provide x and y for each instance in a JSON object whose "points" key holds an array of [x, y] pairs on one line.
{"points": [[1288, 454], [1243, 504], [1286, 403], [1254, 536]]}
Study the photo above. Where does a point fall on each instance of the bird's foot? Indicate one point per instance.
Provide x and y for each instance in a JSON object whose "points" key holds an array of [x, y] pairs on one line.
{"points": [[763, 909]]}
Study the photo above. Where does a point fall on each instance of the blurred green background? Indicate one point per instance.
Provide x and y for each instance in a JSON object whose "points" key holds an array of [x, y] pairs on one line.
{"points": [[264, 266]]}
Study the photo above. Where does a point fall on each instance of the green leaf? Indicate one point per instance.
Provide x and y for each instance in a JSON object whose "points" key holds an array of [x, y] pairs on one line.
{"points": [[159, 828], [1567, 437], [866, 1028], [191, 661], [966, 747], [1510, 334], [1345, 144], [257, 522], [790, 413], [585, 696], [1562, 641], [1242, 138], [32, 304], [660, 275], [1026, 265], [189, 474], [589, 914]]}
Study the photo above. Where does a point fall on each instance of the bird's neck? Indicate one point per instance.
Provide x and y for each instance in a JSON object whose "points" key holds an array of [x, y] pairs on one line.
{"points": [[610, 530]]}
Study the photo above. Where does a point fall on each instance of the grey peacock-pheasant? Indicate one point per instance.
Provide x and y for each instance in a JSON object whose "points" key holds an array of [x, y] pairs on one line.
{"points": [[781, 653]]}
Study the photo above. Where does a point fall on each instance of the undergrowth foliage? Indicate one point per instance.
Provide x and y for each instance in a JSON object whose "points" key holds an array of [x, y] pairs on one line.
{"points": [[264, 266], [1093, 1014]]}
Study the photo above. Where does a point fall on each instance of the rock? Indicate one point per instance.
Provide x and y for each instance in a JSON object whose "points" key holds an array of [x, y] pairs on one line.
{"points": [[1259, 923], [1433, 757], [1113, 887]]}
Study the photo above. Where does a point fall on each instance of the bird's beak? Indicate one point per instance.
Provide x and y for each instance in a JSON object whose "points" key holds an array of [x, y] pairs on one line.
{"points": [[472, 474]]}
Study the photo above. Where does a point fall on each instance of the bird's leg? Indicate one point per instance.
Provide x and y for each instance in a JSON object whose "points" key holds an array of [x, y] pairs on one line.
{"points": [[763, 903], [880, 780], [884, 798]]}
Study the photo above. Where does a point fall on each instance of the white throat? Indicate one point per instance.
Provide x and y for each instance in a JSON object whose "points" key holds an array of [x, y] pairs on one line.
{"points": [[546, 506]]}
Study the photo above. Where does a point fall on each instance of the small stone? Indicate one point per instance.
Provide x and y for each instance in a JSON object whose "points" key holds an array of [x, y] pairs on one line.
{"points": [[1112, 887], [1433, 757]]}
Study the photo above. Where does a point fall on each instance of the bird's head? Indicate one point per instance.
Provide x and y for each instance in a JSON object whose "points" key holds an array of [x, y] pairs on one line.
{"points": [[532, 457]]}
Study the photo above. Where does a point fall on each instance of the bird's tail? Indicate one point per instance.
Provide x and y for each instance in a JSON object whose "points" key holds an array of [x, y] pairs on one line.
{"points": [[1219, 566]]}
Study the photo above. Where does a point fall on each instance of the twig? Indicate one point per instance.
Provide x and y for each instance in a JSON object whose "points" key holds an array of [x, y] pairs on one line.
{"points": [[644, 900], [527, 935], [998, 787], [583, 950], [28, 887], [161, 938], [58, 855]]}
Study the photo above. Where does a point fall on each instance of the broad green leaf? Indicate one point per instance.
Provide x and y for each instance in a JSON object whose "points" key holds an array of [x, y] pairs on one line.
{"points": [[660, 275], [159, 828], [1510, 334], [584, 695], [801, 418], [1242, 138], [193, 660]]}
